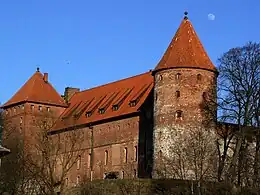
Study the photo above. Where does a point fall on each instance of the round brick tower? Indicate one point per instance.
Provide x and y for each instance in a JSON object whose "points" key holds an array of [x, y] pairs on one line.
{"points": [[185, 79]]}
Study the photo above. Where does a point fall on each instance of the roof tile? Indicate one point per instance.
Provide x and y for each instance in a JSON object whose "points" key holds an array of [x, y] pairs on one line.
{"points": [[38, 91], [185, 51], [105, 97]]}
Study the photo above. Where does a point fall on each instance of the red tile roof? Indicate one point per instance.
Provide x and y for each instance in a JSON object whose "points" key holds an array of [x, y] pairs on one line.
{"points": [[38, 91], [111, 100], [185, 51]]}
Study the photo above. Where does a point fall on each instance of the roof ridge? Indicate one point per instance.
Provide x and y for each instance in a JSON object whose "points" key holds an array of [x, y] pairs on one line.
{"points": [[113, 82]]}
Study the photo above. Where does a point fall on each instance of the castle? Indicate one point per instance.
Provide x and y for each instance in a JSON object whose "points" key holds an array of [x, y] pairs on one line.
{"points": [[130, 120]]}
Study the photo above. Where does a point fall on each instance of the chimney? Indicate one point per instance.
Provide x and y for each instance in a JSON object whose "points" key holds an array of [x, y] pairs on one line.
{"points": [[69, 92], [45, 77]]}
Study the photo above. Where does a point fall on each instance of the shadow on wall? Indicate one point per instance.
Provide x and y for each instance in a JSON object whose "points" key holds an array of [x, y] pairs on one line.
{"points": [[145, 142]]}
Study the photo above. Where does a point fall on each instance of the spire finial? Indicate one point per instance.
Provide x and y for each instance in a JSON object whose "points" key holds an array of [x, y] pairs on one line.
{"points": [[38, 69], [186, 15]]}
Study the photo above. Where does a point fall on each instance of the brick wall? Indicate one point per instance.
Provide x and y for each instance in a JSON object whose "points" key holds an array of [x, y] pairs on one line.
{"points": [[179, 99]]}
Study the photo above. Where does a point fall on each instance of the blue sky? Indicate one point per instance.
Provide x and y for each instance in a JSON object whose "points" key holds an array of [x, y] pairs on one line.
{"points": [[83, 43]]}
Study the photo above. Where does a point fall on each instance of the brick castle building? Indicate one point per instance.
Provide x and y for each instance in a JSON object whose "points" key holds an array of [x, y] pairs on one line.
{"points": [[128, 118]]}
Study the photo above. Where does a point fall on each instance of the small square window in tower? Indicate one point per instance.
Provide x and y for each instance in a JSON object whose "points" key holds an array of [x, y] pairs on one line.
{"points": [[205, 96], [178, 94], [199, 77], [179, 114], [178, 76]]}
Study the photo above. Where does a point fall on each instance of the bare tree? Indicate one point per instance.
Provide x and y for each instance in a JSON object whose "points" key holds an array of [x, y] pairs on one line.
{"points": [[12, 166], [191, 155], [239, 87], [55, 154]]}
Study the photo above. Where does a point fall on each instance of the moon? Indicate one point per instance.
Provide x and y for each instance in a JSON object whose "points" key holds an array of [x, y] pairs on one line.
{"points": [[211, 17]]}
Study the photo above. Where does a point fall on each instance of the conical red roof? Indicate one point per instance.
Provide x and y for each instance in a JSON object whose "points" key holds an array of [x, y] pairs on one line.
{"points": [[38, 91], [185, 51]]}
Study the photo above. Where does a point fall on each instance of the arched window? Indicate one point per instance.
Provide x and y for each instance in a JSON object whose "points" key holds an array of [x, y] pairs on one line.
{"points": [[179, 114], [160, 154], [135, 173], [78, 162], [106, 157], [178, 94], [178, 76], [125, 155], [78, 179], [199, 77], [67, 182]]}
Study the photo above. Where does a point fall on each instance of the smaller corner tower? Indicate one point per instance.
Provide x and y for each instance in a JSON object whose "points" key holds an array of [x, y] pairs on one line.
{"points": [[183, 78], [35, 102]]}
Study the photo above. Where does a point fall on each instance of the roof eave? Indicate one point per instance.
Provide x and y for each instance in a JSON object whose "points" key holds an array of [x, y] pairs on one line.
{"points": [[168, 68]]}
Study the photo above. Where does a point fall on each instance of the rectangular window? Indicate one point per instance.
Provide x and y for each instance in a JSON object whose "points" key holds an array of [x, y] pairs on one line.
{"points": [[89, 160], [48, 109], [79, 162], [40, 108], [135, 153], [21, 120], [67, 182], [32, 107], [106, 157], [125, 155]]}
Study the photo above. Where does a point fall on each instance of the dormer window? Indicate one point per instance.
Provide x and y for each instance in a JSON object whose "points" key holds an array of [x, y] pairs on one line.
{"points": [[88, 114], [115, 107], [101, 111], [179, 114], [132, 103]]}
